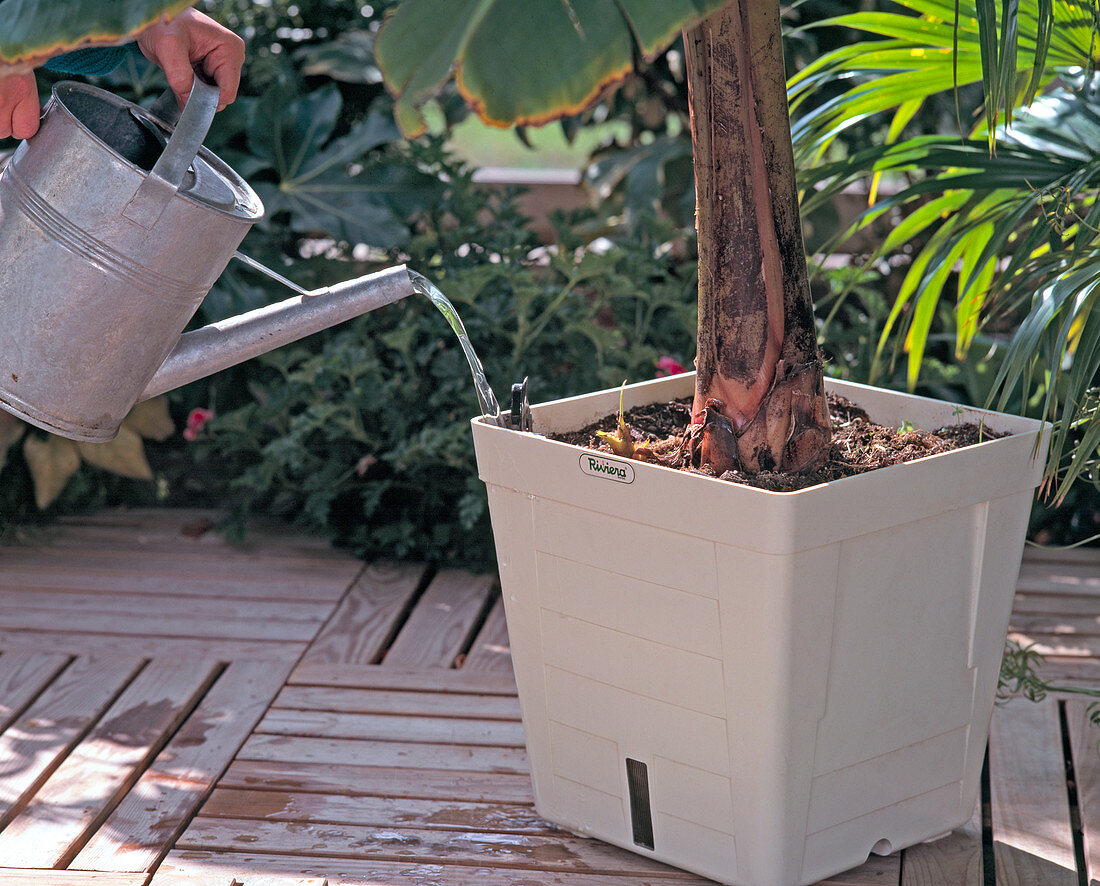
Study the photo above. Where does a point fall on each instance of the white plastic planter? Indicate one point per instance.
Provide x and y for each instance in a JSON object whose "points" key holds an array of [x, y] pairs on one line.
{"points": [[759, 687]]}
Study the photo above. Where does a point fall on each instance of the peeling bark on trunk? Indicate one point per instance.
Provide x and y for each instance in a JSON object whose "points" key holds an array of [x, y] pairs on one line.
{"points": [[757, 354]]}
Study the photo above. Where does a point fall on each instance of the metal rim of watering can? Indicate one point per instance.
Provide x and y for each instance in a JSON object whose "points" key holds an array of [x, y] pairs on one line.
{"points": [[180, 152], [247, 204]]}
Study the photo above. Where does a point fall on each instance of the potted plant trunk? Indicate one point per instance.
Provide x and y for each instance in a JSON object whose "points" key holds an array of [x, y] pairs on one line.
{"points": [[759, 687]]}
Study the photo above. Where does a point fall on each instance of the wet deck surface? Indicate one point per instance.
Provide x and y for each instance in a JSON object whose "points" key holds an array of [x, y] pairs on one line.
{"points": [[176, 710]]}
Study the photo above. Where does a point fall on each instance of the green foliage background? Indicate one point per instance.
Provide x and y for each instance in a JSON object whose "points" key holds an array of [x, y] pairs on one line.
{"points": [[362, 433]]}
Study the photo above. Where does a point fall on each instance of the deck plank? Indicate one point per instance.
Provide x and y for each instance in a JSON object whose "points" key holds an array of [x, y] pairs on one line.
{"points": [[1049, 603], [954, 860], [366, 619], [154, 624], [206, 878], [876, 871], [84, 787], [1032, 834], [163, 799], [39, 877], [1062, 625], [396, 728], [1079, 579], [352, 779], [419, 755], [185, 879], [442, 680], [398, 702], [55, 576], [376, 811], [58, 718], [1058, 644], [107, 644], [492, 650], [183, 610], [1078, 671], [23, 675], [1085, 749], [182, 565], [441, 625]]}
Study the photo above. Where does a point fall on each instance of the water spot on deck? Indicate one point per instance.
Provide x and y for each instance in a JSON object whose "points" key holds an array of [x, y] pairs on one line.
{"points": [[140, 725]]}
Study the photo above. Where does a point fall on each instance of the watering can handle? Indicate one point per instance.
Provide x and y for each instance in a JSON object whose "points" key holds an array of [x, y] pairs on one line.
{"points": [[166, 176], [187, 137]]}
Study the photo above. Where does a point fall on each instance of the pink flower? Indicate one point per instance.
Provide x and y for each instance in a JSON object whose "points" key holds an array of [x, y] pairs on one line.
{"points": [[667, 366], [195, 422]]}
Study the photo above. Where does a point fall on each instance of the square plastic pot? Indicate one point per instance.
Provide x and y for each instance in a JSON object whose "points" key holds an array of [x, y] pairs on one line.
{"points": [[759, 687]]}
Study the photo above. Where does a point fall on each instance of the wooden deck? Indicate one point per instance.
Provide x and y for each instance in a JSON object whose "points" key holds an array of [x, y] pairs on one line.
{"points": [[177, 710]]}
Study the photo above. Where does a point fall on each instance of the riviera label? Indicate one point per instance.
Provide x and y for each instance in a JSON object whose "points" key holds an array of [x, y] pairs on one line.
{"points": [[607, 468]]}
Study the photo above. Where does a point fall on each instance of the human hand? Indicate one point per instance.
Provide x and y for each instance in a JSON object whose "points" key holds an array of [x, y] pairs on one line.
{"points": [[187, 40], [18, 106]]}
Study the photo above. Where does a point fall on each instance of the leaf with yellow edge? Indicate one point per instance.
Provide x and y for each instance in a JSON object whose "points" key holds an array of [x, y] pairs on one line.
{"points": [[902, 117], [522, 61], [973, 287], [34, 31], [150, 419], [52, 461], [11, 429], [124, 455]]}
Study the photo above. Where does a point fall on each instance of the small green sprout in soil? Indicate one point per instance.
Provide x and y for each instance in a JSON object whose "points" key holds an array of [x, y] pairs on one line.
{"points": [[658, 430]]}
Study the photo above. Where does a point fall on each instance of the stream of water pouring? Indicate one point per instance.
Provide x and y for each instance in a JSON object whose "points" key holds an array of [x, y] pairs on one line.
{"points": [[485, 397]]}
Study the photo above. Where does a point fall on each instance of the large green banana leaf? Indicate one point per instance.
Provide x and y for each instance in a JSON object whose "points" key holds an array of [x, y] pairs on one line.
{"points": [[522, 61], [34, 31]]}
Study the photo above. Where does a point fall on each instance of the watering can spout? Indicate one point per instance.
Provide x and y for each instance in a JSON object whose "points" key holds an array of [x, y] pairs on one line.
{"points": [[218, 346]]}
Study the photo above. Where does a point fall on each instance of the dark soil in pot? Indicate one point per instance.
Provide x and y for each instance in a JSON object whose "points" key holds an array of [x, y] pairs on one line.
{"points": [[658, 433]]}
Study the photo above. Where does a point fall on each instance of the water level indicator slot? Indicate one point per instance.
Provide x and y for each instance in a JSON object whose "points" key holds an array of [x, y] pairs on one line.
{"points": [[641, 814]]}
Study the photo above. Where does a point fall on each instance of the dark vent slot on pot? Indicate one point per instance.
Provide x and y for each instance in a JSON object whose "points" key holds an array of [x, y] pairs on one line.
{"points": [[641, 815]]}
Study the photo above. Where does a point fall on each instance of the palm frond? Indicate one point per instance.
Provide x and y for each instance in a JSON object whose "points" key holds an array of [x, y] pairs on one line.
{"points": [[990, 231], [1011, 234], [938, 46]]}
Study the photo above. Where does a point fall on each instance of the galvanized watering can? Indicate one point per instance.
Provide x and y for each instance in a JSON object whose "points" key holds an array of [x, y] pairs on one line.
{"points": [[113, 227]]}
